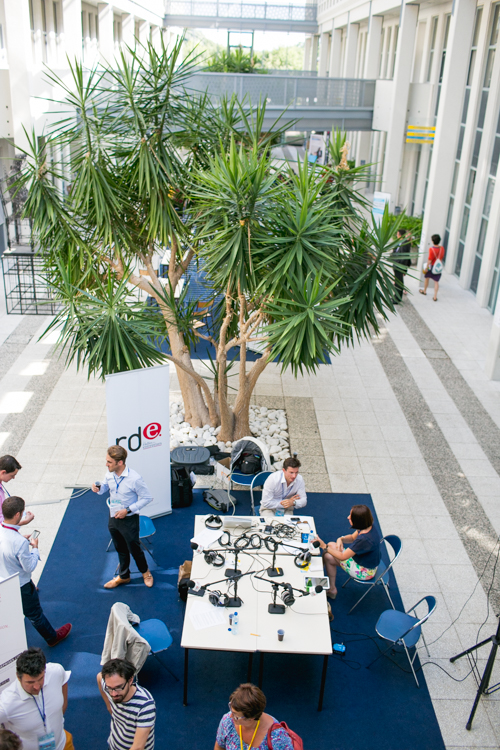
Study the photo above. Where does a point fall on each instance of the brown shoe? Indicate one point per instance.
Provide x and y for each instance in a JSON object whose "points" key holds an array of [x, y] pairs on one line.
{"points": [[116, 582], [148, 579]]}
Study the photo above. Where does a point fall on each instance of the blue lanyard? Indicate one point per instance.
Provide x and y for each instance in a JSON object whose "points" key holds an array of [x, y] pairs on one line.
{"points": [[42, 712], [4, 488], [118, 483], [287, 489]]}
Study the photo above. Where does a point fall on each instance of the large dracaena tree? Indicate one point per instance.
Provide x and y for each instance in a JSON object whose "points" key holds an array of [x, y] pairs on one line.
{"points": [[290, 258]]}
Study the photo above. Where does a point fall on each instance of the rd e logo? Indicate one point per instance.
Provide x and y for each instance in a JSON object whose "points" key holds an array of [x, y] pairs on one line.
{"points": [[134, 441]]}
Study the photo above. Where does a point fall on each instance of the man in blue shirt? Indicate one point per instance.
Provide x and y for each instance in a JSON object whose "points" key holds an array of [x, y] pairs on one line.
{"points": [[128, 494]]}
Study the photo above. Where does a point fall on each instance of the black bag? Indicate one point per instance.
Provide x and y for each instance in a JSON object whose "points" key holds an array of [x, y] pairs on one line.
{"points": [[182, 489], [250, 463]]}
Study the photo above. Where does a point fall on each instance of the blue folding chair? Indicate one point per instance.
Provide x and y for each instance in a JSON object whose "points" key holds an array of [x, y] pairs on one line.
{"points": [[401, 629], [249, 480], [156, 633], [146, 530], [382, 574]]}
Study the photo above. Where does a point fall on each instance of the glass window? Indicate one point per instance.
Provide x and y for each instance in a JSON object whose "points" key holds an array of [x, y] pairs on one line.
{"points": [[460, 142], [489, 68], [470, 187], [393, 66], [477, 146], [490, 189], [482, 109], [494, 26], [381, 62], [455, 178], [434, 24]]}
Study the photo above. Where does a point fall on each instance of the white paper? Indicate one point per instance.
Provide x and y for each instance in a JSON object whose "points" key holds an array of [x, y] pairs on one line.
{"points": [[204, 615], [207, 537]]}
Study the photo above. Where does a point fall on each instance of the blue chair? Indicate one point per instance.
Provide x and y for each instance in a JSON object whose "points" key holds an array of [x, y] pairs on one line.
{"points": [[401, 629], [156, 633], [146, 530], [249, 480], [382, 574]]}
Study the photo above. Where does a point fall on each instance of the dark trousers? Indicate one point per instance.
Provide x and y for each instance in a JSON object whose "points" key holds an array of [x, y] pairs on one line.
{"points": [[399, 282], [33, 611], [125, 535]]}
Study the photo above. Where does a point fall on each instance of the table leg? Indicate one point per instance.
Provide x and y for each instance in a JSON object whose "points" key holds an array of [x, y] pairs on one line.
{"points": [[323, 680], [250, 664], [186, 668], [261, 668]]}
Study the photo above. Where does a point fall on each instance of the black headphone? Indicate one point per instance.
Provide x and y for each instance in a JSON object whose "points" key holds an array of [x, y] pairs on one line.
{"points": [[303, 559], [225, 543], [218, 599], [214, 558], [242, 542], [271, 544], [213, 522]]}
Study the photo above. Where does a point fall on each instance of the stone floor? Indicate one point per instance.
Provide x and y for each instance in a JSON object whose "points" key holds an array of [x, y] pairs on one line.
{"points": [[408, 417]]}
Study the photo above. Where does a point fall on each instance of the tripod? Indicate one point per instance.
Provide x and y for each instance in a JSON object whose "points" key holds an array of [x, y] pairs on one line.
{"points": [[484, 686]]}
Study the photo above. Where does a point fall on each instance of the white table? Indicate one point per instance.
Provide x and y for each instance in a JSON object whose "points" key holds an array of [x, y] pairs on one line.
{"points": [[257, 628]]}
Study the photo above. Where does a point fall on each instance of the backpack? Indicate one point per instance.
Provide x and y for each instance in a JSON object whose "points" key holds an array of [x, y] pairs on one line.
{"points": [[297, 743], [250, 463], [181, 486]]}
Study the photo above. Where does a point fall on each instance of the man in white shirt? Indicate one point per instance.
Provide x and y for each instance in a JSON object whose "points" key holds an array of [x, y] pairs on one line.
{"points": [[33, 705], [9, 466], [284, 492], [16, 557], [128, 494]]}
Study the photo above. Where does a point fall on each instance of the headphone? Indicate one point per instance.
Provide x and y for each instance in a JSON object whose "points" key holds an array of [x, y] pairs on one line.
{"points": [[213, 522], [214, 558], [218, 599], [271, 544], [303, 559], [226, 543]]}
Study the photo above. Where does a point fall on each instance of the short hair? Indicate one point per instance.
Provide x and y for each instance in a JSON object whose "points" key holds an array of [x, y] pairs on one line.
{"points": [[117, 453], [12, 505], [9, 740], [291, 463], [31, 662], [436, 239], [249, 699], [9, 464], [401, 231], [121, 667], [361, 517]]}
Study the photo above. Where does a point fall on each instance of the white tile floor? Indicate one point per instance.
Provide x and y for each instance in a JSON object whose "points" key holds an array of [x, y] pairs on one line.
{"points": [[368, 447]]}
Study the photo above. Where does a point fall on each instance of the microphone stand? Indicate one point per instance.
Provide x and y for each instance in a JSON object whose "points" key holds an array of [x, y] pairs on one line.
{"points": [[273, 608], [231, 572], [273, 571]]}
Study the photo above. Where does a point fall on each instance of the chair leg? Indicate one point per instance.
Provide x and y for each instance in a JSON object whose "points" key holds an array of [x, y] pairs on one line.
{"points": [[349, 579], [386, 589], [252, 503], [109, 545], [165, 666], [146, 549], [411, 663], [383, 653], [425, 644], [369, 588]]}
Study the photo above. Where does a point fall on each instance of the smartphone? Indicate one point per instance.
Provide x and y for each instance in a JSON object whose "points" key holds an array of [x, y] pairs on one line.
{"points": [[35, 535], [268, 529], [262, 520], [312, 582], [295, 518]]}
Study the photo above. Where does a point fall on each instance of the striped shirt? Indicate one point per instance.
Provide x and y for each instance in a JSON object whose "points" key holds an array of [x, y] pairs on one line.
{"points": [[137, 713]]}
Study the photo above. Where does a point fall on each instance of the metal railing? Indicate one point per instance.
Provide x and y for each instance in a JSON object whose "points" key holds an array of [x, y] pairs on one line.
{"points": [[288, 91], [193, 13], [26, 289]]}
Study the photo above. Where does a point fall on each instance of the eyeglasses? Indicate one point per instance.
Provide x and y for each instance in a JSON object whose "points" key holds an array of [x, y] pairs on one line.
{"points": [[236, 718], [118, 689]]}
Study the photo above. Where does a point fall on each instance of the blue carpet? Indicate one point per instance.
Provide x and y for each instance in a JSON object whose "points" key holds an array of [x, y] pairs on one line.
{"points": [[376, 709]]}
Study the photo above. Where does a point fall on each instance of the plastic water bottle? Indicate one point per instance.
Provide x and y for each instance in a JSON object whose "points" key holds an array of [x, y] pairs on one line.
{"points": [[312, 536], [235, 624]]}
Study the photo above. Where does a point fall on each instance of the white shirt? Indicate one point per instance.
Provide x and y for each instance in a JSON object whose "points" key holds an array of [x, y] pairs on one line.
{"points": [[129, 490], [275, 490], [19, 713], [16, 555]]}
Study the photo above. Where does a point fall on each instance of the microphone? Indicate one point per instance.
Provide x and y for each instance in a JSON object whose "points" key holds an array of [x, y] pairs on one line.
{"points": [[315, 544], [196, 588], [197, 547]]}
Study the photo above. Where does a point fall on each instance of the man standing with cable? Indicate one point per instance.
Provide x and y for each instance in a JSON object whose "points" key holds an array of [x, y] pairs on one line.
{"points": [[128, 494], [9, 466], [284, 492]]}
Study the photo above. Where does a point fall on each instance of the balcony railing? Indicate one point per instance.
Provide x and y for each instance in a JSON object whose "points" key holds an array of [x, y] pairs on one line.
{"points": [[252, 15]]}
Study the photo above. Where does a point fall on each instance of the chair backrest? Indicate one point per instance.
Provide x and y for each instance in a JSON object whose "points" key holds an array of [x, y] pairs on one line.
{"points": [[431, 606], [397, 545], [260, 478]]}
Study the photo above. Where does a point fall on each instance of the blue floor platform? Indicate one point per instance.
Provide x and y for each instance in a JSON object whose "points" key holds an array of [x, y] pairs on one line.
{"points": [[376, 709]]}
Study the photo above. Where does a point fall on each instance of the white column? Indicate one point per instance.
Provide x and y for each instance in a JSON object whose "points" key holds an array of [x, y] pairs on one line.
{"points": [[307, 53], [448, 120], [351, 50], [156, 33], [143, 32], [128, 30], [314, 52], [106, 41], [324, 49], [373, 47], [17, 22], [72, 25], [401, 85], [335, 50]]}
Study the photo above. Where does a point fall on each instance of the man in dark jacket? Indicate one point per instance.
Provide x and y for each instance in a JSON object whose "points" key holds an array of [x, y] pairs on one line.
{"points": [[402, 261]]}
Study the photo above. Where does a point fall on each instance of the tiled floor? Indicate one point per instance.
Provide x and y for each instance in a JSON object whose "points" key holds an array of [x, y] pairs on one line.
{"points": [[368, 445]]}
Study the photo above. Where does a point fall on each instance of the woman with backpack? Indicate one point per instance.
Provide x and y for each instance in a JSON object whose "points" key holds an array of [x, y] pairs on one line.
{"points": [[434, 266], [247, 727]]}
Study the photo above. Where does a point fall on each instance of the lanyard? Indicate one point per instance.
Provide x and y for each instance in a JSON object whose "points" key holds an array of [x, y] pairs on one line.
{"points": [[4, 488], [251, 741], [42, 712], [118, 483], [288, 488], [12, 528]]}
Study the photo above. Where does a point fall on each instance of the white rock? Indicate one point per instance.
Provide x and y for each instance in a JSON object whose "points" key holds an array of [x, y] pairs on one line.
{"points": [[263, 410], [217, 430], [185, 424]]}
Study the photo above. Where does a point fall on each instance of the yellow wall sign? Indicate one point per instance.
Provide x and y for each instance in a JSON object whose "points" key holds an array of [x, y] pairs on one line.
{"points": [[420, 134]]}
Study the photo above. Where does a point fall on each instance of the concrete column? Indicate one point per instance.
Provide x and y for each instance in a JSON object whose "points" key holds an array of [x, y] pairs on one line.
{"points": [[335, 50], [18, 42], [324, 50], [351, 50], [72, 25], [106, 41], [397, 122], [314, 52], [156, 34], [307, 53], [373, 47], [128, 30], [448, 121]]}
